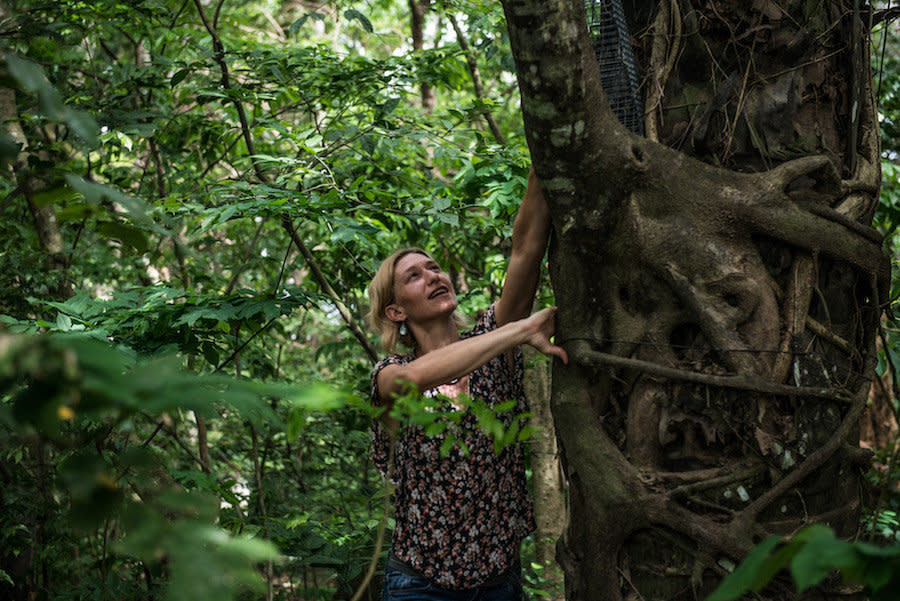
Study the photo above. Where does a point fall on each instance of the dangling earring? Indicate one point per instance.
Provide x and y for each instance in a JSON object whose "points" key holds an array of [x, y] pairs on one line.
{"points": [[403, 329]]}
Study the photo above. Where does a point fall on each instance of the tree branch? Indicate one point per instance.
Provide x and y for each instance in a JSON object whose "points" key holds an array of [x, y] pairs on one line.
{"points": [[219, 57], [472, 62], [662, 61], [567, 119], [327, 288]]}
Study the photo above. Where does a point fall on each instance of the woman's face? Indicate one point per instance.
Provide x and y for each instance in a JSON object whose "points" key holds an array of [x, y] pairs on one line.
{"points": [[422, 290]]}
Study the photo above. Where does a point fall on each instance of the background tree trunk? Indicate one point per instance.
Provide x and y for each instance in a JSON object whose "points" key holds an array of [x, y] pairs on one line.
{"points": [[549, 494], [417, 11], [30, 184], [719, 291]]}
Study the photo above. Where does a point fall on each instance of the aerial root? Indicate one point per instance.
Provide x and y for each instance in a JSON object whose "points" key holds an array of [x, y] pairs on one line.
{"points": [[811, 463], [581, 353], [822, 331], [730, 478], [867, 232], [796, 307], [850, 186], [733, 350], [819, 167]]}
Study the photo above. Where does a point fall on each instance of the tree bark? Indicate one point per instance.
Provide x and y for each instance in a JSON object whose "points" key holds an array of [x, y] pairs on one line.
{"points": [[719, 290], [30, 184], [549, 495], [417, 11]]}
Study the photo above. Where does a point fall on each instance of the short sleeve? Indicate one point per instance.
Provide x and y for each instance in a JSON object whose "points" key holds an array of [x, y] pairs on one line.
{"points": [[389, 360]]}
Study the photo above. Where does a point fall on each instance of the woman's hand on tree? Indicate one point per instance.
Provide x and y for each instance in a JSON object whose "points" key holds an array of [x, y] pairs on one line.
{"points": [[539, 329]]}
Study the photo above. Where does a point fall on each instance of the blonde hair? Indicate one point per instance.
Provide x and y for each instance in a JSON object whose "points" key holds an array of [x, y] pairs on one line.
{"points": [[381, 294]]}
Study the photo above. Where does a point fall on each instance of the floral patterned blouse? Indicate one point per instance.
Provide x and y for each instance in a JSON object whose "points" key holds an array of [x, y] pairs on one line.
{"points": [[459, 518]]}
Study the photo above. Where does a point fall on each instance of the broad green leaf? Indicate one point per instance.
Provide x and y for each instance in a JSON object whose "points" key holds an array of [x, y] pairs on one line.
{"points": [[30, 76], [179, 76], [363, 20], [745, 575], [129, 235], [822, 553]]}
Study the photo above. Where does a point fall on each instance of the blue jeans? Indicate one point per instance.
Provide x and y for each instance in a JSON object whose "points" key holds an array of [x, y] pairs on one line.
{"points": [[403, 587]]}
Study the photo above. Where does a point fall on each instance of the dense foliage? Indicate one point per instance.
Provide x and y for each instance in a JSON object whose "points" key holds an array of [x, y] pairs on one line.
{"points": [[195, 196]]}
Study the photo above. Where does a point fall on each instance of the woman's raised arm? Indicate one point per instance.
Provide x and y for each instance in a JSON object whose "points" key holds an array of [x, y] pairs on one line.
{"points": [[531, 229]]}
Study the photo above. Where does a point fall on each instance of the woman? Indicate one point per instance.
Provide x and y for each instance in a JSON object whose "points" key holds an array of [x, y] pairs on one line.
{"points": [[459, 517]]}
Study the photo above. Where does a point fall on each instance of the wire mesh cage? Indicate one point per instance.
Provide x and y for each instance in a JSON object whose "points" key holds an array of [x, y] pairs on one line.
{"points": [[618, 70]]}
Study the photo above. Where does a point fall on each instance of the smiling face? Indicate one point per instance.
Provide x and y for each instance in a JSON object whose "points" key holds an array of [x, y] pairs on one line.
{"points": [[422, 291]]}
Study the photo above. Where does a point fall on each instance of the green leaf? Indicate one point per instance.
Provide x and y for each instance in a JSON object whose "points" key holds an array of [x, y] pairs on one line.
{"points": [[822, 553], [251, 549], [63, 322], [390, 105], [310, 397], [30, 77], [96, 194], [179, 76], [296, 25], [745, 575], [9, 149], [126, 234], [889, 592], [363, 20], [775, 563], [83, 125], [447, 445]]}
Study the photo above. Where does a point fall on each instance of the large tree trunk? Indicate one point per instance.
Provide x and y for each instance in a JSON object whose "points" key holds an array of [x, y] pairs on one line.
{"points": [[719, 309]]}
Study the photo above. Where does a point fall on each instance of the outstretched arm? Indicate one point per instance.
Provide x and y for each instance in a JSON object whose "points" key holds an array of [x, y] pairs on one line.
{"points": [[462, 357], [531, 229]]}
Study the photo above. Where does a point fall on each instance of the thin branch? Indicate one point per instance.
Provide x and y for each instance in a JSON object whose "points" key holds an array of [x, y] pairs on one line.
{"points": [[379, 538], [202, 442], [472, 62], [244, 262], [886, 15], [238, 350], [171, 432], [159, 427], [582, 353], [327, 288], [219, 57], [261, 502], [219, 159]]}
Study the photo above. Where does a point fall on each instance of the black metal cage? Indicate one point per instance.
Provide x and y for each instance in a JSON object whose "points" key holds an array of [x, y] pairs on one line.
{"points": [[618, 70]]}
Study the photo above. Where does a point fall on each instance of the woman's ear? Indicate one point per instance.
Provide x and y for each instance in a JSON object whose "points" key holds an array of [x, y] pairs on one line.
{"points": [[395, 313]]}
